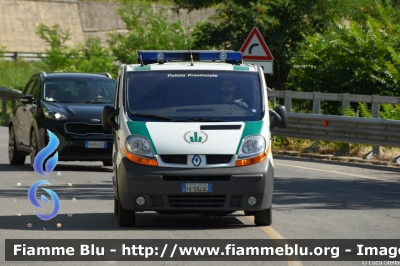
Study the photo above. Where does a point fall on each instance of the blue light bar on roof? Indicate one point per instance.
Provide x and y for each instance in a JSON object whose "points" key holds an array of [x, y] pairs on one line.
{"points": [[162, 56]]}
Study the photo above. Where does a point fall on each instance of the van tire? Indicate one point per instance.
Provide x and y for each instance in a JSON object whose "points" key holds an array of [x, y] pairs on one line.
{"points": [[126, 218], [264, 217], [115, 206]]}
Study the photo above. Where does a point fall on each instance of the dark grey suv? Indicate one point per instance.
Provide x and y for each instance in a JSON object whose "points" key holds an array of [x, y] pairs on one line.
{"points": [[70, 106]]}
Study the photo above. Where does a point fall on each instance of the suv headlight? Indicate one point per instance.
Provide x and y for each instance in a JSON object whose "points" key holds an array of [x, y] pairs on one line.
{"points": [[53, 115], [139, 150], [252, 151]]}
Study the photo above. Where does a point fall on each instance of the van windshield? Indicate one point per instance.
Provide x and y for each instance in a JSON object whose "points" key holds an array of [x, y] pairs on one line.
{"points": [[214, 96]]}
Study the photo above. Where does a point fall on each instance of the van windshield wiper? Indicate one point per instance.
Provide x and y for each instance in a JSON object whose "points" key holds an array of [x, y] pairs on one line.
{"points": [[158, 117]]}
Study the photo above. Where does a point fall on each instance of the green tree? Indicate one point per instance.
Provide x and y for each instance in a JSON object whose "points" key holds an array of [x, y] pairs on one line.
{"points": [[92, 57], [283, 23], [58, 55], [89, 57], [148, 29], [361, 58]]}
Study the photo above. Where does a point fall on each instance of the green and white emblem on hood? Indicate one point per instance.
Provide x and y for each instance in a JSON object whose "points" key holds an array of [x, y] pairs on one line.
{"points": [[195, 137]]}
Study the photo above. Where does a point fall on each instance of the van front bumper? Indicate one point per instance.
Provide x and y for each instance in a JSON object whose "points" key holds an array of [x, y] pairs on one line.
{"points": [[162, 187]]}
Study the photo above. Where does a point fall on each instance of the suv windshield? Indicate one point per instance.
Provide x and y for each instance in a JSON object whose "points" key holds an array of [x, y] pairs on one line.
{"points": [[205, 96], [79, 90]]}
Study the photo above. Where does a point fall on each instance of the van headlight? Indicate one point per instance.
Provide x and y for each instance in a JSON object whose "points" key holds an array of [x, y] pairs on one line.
{"points": [[252, 151], [140, 146], [139, 150], [252, 146], [53, 115]]}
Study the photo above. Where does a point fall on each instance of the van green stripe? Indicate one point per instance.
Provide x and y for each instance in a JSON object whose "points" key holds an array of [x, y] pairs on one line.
{"points": [[141, 68], [250, 128], [139, 128], [241, 68]]}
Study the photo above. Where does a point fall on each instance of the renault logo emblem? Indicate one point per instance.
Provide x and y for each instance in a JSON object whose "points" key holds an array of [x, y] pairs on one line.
{"points": [[196, 160]]}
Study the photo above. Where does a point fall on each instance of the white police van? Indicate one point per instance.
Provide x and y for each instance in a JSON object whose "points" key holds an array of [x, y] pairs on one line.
{"points": [[192, 135]]}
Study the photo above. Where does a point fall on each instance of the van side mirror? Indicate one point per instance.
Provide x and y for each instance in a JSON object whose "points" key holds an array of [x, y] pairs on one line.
{"points": [[108, 117], [279, 117]]}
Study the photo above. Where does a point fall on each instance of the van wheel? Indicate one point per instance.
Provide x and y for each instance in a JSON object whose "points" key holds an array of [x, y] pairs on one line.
{"points": [[126, 218], [33, 145], [263, 218], [13, 155], [107, 163], [115, 206]]}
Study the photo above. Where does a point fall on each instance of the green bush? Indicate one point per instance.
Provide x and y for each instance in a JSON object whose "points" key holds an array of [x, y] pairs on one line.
{"points": [[58, 56], [4, 119], [2, 50], [359, 58], [149, 29], [15, 74], [90, 57]]}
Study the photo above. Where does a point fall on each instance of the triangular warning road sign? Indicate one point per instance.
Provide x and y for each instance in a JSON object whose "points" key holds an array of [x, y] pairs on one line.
{"points": [[255, 48]]}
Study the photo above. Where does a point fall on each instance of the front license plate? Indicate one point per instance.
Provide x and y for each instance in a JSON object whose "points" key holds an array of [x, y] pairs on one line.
{"points": [[96, 144], [196, 187]]}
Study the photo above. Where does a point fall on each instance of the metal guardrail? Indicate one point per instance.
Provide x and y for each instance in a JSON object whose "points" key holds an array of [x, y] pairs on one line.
{"points": [[9, 94], [371, 131], [345, 98], [23, 56]]}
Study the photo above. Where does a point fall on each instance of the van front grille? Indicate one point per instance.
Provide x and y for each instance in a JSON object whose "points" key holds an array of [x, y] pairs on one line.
{"points": [[196, 201]]}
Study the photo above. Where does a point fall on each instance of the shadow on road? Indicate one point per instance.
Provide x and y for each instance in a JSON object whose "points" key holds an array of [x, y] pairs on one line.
{"points": [[108, 221], [336, 194], [357, 165], [68, 167], [94, 191]]}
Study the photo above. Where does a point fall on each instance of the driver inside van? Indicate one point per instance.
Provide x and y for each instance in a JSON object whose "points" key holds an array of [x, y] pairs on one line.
{"points": [[227, 90]]}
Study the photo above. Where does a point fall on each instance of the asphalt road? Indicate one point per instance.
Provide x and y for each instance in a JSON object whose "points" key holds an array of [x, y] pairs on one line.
{"points": [[312, 200]]}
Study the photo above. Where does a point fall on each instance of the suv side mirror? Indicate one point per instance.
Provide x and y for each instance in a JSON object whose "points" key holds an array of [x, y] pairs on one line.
{"points": [[279, 117], [109, 113], [27, 99]]}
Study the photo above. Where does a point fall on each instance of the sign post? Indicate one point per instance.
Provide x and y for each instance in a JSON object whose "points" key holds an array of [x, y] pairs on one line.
{"points": [[255, 51]]}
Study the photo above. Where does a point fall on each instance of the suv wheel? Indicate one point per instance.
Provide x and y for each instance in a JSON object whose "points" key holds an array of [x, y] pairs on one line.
{"points": [[264, 217], [126, 218], [13, 155], [33, 145]]}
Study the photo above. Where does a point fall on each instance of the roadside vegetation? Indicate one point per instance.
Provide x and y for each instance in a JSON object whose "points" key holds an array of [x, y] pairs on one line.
{"points": [[335, 46]]}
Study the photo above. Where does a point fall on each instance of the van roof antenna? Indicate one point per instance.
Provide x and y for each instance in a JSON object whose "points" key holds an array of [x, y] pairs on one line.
{"points": [[191, 56], [141, 60]]}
